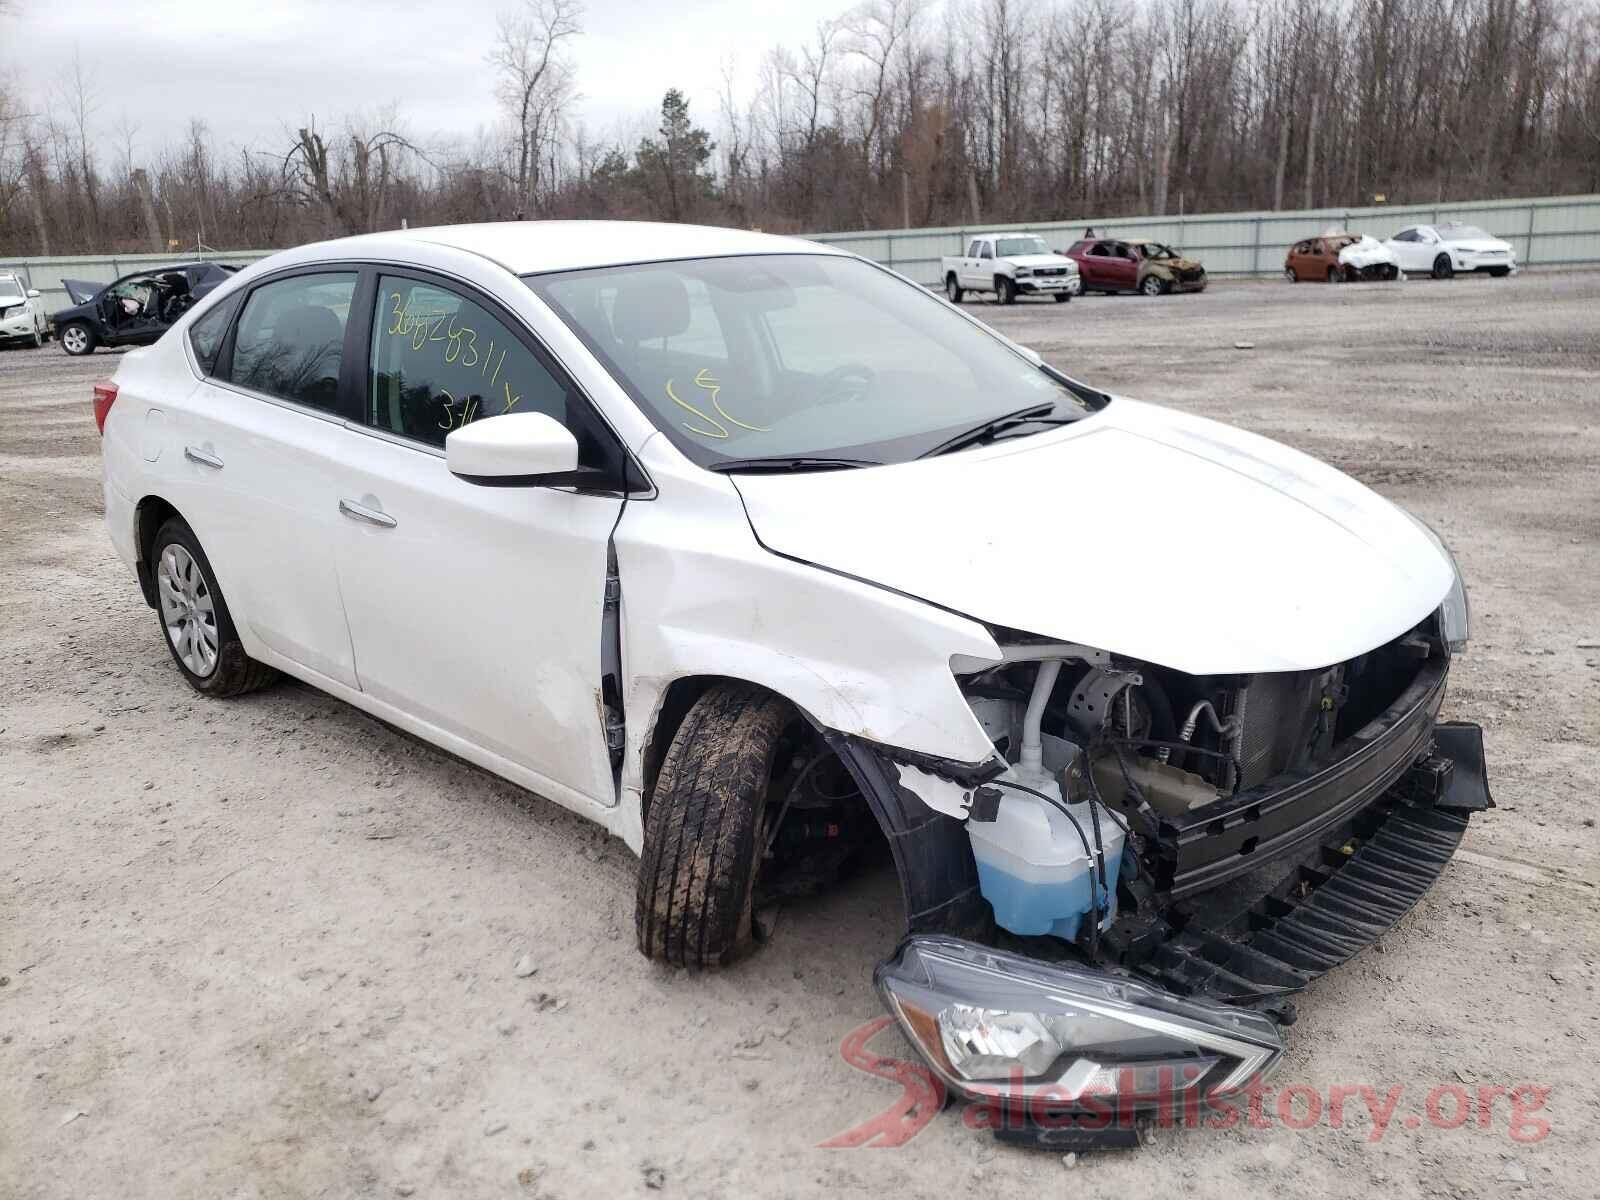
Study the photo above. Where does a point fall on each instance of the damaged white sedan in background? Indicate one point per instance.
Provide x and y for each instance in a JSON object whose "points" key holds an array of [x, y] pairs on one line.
{"points": [[768, 560]]}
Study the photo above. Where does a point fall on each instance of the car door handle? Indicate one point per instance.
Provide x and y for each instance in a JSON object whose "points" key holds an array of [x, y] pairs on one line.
{"points": [[360, 512], [202, 457]]}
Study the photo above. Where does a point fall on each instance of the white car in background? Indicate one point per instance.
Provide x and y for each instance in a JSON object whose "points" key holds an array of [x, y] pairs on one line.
{"points": [[1444, 250], [1010, 265], [22, 315], [766, 559]]}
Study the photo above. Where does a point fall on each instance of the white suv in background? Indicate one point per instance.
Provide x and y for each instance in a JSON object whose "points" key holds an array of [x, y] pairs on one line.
{"points": [[22, 316], [1442, 250]]}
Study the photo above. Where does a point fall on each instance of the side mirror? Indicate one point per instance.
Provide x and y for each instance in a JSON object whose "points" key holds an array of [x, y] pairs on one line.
{"points": [[514, 450], [33, 293]]}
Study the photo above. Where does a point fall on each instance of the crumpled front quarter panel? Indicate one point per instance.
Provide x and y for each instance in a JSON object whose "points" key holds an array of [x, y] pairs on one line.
{"points": [[700, 596]]}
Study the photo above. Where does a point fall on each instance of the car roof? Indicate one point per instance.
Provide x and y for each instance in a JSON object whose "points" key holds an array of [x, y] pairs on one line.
{"points": [[530, 247]]}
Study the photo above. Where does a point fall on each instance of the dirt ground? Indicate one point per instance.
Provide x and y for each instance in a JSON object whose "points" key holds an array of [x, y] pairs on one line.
{"points": [[268, 947]]}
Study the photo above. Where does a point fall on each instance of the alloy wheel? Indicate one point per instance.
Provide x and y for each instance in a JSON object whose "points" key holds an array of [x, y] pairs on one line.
{"points": [[75, 339], [187, 612]]}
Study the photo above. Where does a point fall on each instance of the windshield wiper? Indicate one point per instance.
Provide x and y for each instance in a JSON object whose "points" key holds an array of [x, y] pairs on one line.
{"points": [[1034, 414], [789, 462]]}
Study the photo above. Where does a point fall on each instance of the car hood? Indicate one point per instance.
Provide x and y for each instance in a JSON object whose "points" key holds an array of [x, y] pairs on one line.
{"points": [[1366, 253], [1141, 531], [82, 290], [1177, 264], [1040, 260]]}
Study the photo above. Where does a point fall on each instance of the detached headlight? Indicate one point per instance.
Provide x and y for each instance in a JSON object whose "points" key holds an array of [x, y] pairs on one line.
{"points": [[994, 1024], [1455, 616]]}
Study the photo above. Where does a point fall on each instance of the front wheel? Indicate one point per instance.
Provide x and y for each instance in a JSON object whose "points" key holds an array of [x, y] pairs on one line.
{"points": [[953, 290], [77, 338], [1063, 297], [703, 832], [1442, 268], [1499, 272], [194, 617], [1005, 290], [1153, 285], [1335, 275]]}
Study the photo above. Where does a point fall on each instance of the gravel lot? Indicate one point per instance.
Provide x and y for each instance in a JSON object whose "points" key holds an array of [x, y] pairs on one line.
{"points": [[266, 948]]}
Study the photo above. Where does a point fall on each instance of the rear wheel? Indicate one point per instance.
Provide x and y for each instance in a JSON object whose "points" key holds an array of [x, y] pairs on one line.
{"points": [[1005, 290], [194, 617], [77, 338], [1335, 275], [1442, 268], [703, 833], [1288, 273], [953, 290]]}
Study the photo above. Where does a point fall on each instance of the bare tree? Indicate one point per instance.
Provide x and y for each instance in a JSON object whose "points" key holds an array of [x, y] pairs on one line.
{"points": [[536, 84]]}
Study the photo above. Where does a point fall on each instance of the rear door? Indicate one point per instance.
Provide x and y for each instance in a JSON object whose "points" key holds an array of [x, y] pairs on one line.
{"points": [[254, 462], [477, 610], [976, 273]]}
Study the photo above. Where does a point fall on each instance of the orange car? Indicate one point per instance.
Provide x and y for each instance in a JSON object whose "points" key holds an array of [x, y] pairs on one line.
{"points": [[1340, 258]]}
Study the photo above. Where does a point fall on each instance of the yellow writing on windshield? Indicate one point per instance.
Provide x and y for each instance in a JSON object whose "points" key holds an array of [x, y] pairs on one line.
{"points": [[720, 430], [704, 379]]}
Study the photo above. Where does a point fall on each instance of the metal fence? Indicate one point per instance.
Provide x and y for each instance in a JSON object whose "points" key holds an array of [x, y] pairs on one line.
{"points": [[1556, 231]]}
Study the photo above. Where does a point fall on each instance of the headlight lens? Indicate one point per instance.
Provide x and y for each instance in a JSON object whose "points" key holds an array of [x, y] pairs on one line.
{"points": [[995, 1024], [1021, 271], [1455, 616]]}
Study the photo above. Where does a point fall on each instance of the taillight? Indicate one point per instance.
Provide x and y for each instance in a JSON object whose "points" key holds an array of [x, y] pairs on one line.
{"points": [[105, 395]]}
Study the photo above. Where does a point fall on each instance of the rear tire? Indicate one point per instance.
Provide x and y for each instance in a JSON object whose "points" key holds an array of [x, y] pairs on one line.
{"points": [[1335, 275], [1288, 273], [77, 338], [1442, 268], [195, 622], [702, 835], [953, 291]]}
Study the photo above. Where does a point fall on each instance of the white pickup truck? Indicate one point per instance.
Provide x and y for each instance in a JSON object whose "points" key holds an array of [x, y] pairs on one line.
{"points": [[1010, 265]]}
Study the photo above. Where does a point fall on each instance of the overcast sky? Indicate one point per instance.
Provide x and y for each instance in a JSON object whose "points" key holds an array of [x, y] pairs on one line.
{"points": [[251, 68]]}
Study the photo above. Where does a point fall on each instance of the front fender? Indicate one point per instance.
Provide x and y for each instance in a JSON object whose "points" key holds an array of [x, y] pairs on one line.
{"points": [[701, 597]]}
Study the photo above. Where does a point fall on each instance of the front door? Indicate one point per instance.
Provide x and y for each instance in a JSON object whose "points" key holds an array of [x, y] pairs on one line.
{"points": [[477, 610]]}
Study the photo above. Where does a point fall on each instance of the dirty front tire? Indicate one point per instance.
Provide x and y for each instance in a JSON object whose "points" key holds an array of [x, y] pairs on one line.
{"points": [[953, 291], [702, 835], [1005, 290], [1153, 285], [1442, 268], [1063, 297], [77, 338], [176, 559]]}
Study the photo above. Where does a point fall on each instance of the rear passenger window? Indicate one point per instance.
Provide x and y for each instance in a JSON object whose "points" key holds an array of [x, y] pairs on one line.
{"points": [[290, 341], [206, 334], [441, 361]]}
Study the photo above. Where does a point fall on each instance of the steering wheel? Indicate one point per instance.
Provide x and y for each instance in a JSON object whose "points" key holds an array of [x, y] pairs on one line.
{"points": [[850, 382]]}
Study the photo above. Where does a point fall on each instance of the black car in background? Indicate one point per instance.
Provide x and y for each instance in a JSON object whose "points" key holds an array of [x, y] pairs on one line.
{"points": [[136, 309]]}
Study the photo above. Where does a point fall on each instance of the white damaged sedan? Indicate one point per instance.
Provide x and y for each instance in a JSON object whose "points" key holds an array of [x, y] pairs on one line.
{"points": [[769, 561]]}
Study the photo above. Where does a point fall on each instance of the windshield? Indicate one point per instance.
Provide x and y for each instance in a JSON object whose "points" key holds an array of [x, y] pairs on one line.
{"points": [[1459, 233], [10, 293], [1008, 247], [796, 355]]}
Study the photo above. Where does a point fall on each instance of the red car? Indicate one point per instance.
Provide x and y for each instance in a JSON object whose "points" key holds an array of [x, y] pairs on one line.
{"points": [[1135, 265]]}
